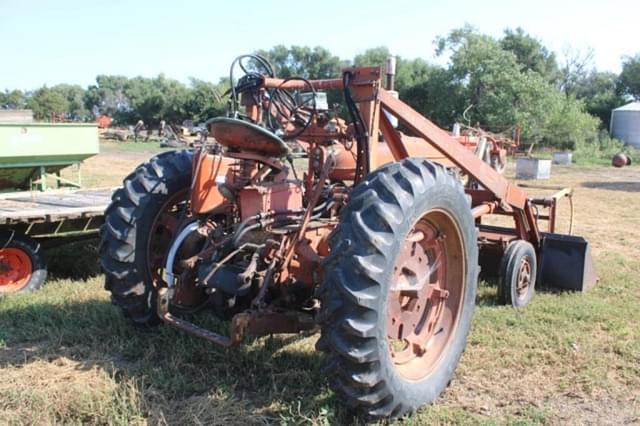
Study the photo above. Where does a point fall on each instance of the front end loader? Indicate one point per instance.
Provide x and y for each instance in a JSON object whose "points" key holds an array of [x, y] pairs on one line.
{"points": [[374, 237]]}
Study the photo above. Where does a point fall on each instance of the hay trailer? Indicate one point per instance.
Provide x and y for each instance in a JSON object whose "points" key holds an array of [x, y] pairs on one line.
{"points": [[39, 208]]}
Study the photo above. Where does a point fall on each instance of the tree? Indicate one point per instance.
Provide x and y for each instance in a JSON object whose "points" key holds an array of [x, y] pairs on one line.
{"points": [[629, 81], [74, 94], [302, 61], [599, 93], [46, 101], [14, 99], [408, 72], [487, 76], [576, 67], [107, 95], [437, 96], [503, 92], [203, 100], [530, 53]]}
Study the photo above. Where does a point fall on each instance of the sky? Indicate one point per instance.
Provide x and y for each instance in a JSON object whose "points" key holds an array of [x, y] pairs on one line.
{"points": [[72, 41]]}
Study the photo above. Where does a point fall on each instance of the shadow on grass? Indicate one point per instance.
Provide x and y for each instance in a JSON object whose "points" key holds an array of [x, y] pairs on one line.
{"points": [[279, 376], [627, 186], [74, 261]]}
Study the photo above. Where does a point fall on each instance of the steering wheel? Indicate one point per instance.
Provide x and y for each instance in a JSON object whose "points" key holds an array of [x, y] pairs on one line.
{"points": [[285, 109]]}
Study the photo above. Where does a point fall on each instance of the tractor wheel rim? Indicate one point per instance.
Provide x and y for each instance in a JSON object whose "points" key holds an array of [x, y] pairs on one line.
{"points": [[523, 280], [16, 269], [425, 295], [163, 229]]}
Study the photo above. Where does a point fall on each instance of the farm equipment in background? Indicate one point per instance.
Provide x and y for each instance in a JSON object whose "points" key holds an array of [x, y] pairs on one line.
{"points": [[376, 241], [35, 211], [492, 148]]}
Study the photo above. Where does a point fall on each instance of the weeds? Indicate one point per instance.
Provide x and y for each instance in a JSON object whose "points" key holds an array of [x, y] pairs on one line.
{"points": [[600, 150]]}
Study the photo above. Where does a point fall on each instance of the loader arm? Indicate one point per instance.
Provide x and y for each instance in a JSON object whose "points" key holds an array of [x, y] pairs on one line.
{"points": [[489, 178]]}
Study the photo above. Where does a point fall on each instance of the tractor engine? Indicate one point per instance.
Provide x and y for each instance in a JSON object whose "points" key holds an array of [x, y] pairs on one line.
{"points": [[240, 244]]}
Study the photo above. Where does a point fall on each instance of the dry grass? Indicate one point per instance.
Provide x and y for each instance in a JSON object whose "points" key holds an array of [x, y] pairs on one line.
{"points": [[67, 356]]}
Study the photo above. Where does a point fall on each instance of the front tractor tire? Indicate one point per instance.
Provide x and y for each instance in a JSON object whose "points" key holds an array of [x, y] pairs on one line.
{"points": [[518, 272], [400, 288], [139, 225]]}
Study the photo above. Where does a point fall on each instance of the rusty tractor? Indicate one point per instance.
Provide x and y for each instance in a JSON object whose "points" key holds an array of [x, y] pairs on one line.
{"points": [[374, 240]]}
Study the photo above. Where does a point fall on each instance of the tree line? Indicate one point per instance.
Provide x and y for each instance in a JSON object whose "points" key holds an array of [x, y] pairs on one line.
{"points": [[494, 82]]}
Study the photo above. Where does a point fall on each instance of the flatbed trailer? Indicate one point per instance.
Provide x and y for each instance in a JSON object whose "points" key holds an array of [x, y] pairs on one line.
{"points": [[32, 220]]}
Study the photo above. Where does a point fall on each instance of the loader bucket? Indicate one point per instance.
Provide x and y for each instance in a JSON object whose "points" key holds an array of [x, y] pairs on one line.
{"points": [[566, 263]]}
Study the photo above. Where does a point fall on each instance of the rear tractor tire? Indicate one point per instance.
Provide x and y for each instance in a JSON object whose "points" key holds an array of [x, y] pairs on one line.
{"points": [[518, 270], [22, 264], [139, 225], [400, 288]]}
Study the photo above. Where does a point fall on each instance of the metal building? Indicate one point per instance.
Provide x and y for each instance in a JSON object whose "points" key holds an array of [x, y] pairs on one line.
{"points": [[625, 123]]}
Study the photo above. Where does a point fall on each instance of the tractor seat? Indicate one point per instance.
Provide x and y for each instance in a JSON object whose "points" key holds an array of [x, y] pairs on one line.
{"points": [[244, 136]]}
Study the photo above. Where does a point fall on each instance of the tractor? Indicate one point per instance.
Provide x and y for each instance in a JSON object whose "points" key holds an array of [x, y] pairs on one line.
{"points": [[373, 236]]}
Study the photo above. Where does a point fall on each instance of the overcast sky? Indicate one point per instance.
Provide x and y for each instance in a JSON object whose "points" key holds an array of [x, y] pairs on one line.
{"points": [[72, 41]]}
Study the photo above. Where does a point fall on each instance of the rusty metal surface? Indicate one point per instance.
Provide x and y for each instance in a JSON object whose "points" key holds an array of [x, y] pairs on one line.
{"points": [[186, 326], [253, 323], [425, 295], [620, 160], [257, 185], [327, 84], [242, 135], [204, 189], [459, 155]]}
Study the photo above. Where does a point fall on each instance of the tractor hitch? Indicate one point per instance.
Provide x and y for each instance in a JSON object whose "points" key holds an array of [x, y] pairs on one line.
{"points": [[253, 323]]}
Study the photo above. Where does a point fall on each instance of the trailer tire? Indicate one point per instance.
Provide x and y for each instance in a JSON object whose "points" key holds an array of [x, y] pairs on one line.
{"points": [[518, 269], [139, 219], [380, 230], [22, 264]]}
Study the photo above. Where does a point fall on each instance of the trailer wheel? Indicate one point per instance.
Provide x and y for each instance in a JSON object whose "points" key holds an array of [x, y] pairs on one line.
{"points": [[139, 225], [22, 264], [518, 271], [400, 287]]}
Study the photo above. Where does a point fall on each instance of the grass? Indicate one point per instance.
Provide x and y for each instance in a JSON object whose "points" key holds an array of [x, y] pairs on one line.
{"points": [[67, 355]]}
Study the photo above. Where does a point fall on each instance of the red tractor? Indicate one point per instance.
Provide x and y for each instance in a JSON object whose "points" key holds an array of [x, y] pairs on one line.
{"points": [[374, 240]]}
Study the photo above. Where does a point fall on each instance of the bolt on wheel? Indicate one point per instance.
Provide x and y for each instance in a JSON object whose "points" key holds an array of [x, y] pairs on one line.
{"points": [[425, 294]]}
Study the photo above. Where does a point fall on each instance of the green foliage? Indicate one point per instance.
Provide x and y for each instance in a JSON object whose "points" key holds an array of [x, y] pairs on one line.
{"points": [[302, 61], [599, 93], [14, 99], [153, 99], [629, 82], [501, 91], [437, 96], [74, 94], [107, 95], [568, 126], [408, 72], [204, 101], [530, 53], [46, 101], [501, 82], [600, 149]]}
